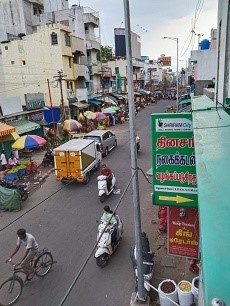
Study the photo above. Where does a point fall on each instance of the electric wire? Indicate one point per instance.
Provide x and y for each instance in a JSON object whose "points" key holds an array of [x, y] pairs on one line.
{"points": [[32, 208], [95, 245]]}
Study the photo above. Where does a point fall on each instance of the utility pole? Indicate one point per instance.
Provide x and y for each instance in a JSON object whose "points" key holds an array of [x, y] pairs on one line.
{"points": [[52, 111], [140, 295], [59, 79]]}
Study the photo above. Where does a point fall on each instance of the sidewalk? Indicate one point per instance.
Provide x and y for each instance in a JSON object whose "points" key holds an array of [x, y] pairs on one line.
{"points": [[36, 178], [176, 268]]}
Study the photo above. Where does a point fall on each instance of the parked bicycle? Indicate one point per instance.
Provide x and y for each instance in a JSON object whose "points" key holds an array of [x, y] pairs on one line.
{"points": [[11, 289]]}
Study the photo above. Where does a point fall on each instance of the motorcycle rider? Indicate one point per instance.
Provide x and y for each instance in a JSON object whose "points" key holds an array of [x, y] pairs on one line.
{"points": [[109, 175], [108, 217]]}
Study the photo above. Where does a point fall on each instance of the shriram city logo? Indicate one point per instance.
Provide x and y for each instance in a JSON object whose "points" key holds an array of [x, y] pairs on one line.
{"points": [[176, 124]]}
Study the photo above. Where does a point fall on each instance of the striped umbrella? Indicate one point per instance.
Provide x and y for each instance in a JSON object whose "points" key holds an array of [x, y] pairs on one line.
{"points": [[28, 142]]}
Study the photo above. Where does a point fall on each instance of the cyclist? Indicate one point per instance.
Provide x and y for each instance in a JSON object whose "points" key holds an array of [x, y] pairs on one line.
{"points": [[31, 245]]}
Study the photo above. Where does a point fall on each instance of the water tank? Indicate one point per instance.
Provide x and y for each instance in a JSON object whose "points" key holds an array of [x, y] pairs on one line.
{"points": [[204, 44]]}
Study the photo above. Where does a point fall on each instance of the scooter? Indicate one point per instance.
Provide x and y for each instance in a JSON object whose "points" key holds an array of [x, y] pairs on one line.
{"points": [[103, 191], [105, 246], [148, 263], [48, 159]]}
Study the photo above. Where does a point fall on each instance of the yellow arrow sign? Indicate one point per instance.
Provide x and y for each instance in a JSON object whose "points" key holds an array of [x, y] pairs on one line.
{"points": [[177, 199]]}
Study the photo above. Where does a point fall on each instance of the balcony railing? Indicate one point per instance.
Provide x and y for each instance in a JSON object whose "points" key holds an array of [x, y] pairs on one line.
{"points": [[79, 70]]}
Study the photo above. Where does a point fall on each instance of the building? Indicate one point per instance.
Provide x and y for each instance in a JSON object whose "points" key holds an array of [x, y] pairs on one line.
{"points": [[82, 22], [32, 60], [204, 73], [120, 44], [18, 17], [222, 80]]}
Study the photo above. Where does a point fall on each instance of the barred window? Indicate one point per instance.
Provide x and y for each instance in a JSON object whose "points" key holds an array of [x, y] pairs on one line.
{"points": [[54, 39]]}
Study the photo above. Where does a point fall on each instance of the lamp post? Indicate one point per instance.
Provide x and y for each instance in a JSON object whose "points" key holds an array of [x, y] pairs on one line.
{"points": [[186, 71], [177, 72]]}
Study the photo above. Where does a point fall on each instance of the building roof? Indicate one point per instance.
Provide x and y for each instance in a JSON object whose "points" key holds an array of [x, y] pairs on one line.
{"points": [[95, 102], [212, 146], [24, 126], [6, 129], [79, 105]]}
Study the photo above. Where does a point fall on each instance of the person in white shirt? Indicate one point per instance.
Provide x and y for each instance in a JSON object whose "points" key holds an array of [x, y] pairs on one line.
{"points": [[3, 160], [31, 245]]}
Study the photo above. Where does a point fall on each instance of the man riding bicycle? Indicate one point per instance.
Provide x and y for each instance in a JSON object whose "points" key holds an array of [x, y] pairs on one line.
{"points": [[31, 246]]}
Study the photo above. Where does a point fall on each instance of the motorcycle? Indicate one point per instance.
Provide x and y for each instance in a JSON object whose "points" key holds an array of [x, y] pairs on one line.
{"points": [[102, 185], [148, 262], [105, 246], [21, 188], [48, 159]]}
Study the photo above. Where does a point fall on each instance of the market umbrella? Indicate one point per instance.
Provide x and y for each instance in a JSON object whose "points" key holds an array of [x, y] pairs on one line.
{"points": [[90, 115], [100, 116], [28, 142], [108, 110], [70, 125]]}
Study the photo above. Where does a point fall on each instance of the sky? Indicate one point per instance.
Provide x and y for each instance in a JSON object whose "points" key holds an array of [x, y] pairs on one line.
{"points": [[154, 19]]}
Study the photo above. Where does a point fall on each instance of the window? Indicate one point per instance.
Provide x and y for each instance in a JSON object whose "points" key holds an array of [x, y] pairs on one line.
{"points": [[12, 62], [86, 28], [6, 47], [23, 62], [116, 70], [67, 40], [70, 62], [54, 39]]}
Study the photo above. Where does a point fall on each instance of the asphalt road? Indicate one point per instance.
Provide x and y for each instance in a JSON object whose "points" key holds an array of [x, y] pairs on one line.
{"points": [[65, 223]]}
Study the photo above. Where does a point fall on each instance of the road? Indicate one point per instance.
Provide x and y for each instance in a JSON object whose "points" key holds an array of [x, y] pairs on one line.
{"points": [[65, 223]]}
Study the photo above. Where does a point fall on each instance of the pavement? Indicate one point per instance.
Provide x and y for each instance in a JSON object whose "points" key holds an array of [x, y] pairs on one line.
{"points": [[166, 266]]}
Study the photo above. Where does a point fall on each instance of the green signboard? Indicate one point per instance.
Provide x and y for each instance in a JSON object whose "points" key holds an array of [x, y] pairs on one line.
{"points": [[173, 160]]}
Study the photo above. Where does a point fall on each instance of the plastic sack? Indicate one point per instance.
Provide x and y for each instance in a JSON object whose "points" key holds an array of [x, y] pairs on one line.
{"points": [[185, 295], [168, 288]]}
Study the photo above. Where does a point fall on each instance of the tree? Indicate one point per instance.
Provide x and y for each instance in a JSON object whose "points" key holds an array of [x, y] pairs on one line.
{"points": [[105, 54]]}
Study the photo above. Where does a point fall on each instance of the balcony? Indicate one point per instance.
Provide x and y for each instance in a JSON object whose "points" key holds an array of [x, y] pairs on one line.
{"points": [[78, 45], [79, 71], [96, 69], [92, 42], [91, 16]]}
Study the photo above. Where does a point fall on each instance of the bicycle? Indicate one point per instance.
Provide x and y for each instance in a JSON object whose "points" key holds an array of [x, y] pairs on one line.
{"points": [[11, 289]]}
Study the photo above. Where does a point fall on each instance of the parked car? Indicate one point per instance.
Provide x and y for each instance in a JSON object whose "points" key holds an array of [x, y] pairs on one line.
{"points": [[106, 139]]}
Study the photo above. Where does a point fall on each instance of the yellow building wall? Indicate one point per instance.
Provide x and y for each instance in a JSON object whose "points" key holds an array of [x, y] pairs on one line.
{"points": [[28, 63]]}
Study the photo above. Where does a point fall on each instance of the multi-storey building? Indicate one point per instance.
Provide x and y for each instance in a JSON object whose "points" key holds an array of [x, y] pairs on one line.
{"points": [[32, 60], [18, 17], [86, 79]]}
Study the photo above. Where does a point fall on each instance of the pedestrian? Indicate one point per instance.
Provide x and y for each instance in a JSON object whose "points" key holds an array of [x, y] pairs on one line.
{"points": [[31, 246], [3, 160], [12, 161]]}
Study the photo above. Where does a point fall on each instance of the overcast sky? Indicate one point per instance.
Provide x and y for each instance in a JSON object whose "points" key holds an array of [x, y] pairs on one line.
{"points": [[154, 19]]}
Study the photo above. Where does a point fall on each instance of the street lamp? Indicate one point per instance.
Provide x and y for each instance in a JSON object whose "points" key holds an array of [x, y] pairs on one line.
{"points": [[177, 72], [186, 71]]}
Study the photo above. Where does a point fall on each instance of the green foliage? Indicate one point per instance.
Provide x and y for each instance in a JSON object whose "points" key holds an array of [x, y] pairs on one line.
{"points": [[105, 54]]}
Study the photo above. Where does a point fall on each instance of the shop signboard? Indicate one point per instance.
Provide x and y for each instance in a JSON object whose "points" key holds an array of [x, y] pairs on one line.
{"points": [[173, 160], [183, 232], [34, 100]]}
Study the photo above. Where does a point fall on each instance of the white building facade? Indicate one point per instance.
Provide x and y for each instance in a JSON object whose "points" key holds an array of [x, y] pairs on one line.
{"points": [[223, 67]]}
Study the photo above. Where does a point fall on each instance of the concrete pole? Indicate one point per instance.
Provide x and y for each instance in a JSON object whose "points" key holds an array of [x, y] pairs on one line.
{"points": [[177, 77], [141, 296]]}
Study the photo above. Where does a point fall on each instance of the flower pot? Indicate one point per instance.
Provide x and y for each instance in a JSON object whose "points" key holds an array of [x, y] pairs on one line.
{"points": [[11, 176]]}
